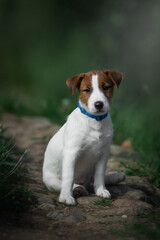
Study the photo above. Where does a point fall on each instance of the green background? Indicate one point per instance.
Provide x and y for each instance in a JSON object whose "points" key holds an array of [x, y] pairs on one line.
{"points": [[42, 43]]}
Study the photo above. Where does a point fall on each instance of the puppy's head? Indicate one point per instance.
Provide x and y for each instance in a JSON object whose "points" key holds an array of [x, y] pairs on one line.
{"points": [[95, 89]]}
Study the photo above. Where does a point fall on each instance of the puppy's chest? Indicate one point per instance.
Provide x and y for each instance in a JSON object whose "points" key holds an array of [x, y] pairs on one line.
{"points": [[94, 146], [95, 141]]}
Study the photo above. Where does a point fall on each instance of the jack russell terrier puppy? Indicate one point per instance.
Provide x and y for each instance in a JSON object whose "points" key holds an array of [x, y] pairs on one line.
{"points": [[77, 154]]}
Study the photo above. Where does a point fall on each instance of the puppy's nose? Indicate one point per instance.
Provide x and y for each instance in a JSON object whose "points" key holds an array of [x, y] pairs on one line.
{"points": [[98, 105]]}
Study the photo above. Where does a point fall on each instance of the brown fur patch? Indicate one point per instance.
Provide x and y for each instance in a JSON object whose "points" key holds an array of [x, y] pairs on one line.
{"points": [[116, 77], [105, 82], [86, 83], [74, 82]]}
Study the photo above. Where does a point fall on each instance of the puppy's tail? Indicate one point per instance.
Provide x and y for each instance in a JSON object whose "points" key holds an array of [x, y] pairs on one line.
{"points": [[114, 178]]}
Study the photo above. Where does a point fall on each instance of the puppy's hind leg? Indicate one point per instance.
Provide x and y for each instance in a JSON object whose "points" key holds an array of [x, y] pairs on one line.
{"points": [[53, 183], [114, 178], [79, 191]]}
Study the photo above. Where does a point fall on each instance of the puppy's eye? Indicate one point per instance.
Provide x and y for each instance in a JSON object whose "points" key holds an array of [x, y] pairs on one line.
{"points": [[87, 90], [105, 88]]}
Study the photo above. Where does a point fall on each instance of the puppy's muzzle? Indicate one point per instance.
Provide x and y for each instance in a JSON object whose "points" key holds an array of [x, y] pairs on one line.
{"points": [[98, 105]]}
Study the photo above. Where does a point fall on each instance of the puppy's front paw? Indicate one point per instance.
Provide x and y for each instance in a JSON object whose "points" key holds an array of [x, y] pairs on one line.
{"points": [[67, 199], [102, 192]]}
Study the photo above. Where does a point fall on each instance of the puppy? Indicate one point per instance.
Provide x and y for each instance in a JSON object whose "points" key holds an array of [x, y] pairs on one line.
{"points": [[77, 154]]}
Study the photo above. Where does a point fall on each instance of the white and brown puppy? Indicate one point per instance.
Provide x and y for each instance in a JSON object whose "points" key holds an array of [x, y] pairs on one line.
{"points": [[77, 154]]}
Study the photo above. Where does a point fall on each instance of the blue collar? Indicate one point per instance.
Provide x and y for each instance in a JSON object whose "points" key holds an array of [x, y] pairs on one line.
{"points": [[96, 117]]}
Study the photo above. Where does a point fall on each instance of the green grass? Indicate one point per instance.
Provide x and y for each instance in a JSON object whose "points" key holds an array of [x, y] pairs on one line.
{"points": [[141, 169], [104, 202], [15, 196], [145, 226]]}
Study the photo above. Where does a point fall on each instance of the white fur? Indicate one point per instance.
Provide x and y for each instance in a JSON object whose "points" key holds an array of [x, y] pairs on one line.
{"points": [[79, 150], [96, 95]]}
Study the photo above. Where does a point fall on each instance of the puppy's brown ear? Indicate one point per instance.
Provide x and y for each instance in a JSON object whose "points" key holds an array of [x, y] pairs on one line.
{"points": [[74, 82], [116, 77]]}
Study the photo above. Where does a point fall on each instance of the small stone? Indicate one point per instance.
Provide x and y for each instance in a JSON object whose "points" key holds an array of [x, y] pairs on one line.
{"points": [[47, 206], [56, 214], [66, 216], [124, 216], [135, 194], [123, 203], [129, 211], [140, 183], [43, 198], [75, 218], [87, 201]]}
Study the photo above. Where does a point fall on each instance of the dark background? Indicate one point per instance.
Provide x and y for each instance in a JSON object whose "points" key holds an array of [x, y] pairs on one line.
{"points": [[42, 43]]}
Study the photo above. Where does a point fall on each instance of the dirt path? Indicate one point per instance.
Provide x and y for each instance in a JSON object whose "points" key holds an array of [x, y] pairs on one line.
{"points": [[51, 220]]}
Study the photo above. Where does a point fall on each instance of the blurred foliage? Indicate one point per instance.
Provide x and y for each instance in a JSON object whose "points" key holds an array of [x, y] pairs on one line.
{"points": [[14, 197], [44, 42]]}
